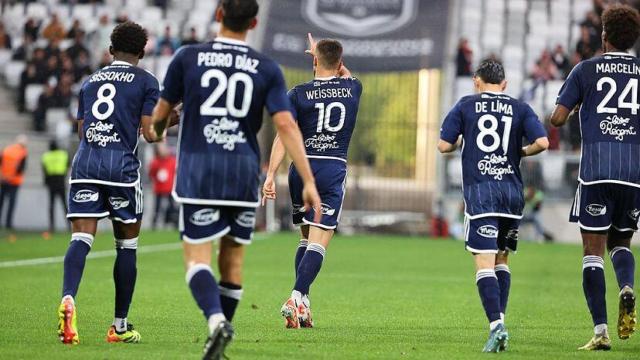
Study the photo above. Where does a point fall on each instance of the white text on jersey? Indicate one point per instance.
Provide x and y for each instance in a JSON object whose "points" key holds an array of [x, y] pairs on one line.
{"points": [[218, 59]]}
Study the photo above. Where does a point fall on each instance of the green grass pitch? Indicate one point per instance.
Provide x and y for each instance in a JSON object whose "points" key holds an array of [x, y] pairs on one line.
{"points": [[376, 298]]}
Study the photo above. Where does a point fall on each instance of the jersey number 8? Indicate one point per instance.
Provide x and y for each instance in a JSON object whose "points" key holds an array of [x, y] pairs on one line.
{"points": [[492, 132], [228, 85], [104, 99]]}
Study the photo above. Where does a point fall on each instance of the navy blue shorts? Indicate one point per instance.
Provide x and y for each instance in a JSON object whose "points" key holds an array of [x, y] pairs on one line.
{"points": [[599, 207], [331, 176], [119, 203], [491, 234], [202, 223]]}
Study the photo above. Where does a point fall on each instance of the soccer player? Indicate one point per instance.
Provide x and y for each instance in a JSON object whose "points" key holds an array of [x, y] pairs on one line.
{"points": [[492, 126], [224, 86], [607, 202], [105, 179], [326, 109]]}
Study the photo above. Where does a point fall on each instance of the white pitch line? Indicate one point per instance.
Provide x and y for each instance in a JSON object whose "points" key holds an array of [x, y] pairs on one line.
{"points": [[92, 255]]}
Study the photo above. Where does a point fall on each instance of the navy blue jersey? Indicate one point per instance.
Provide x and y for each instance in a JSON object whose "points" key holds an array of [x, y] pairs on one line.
{"points": [[224, 86], [492, 126], [607, 88], [111, 103], [326, 111]]}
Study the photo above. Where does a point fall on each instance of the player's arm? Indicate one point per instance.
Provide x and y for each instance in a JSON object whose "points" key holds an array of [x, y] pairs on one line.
{"points": [[291, 138], [451, 131], [277, 156], [569, 97], [447, 147], [80, 123], [164, 116], [541, 144]]}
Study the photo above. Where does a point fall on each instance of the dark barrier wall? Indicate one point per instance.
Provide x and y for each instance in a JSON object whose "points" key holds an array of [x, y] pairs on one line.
{"points": [[378, 35]]}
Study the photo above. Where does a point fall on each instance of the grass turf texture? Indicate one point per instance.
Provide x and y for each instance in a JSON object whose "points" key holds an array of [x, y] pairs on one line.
{"points": [[376, 298]]}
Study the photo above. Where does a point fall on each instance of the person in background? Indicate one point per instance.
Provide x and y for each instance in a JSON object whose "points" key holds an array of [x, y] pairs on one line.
{"points": [[55, 164], [5, 39], [192, 39], [54, 31], [534, 198], [13, 162], [162, 172], [464, 58], [167, 43]]}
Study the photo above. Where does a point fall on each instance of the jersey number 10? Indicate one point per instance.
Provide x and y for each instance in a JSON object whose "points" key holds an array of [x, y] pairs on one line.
{"points": [[324, 116]]}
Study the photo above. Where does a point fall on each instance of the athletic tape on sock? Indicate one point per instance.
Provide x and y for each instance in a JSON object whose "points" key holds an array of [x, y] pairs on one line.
{"points": [[592, 261], [131, 244], [303, 243], [485, 273], [84, 237], [194, 269], [317, 248], [231, 293], [616, 249]]}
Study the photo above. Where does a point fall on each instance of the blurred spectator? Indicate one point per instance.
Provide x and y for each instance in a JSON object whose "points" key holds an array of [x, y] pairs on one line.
{"points": [[162, 172], [55, 95], [464, 58], [583, 47], [5, 39], [77, 47], [105, 60], [31, 28], [81, 66], [75, 28], [13, 162], [55, 164], [24, 51], [54, 31], [192, 39], [100, 38], [545, 69], [561, 59], [167, 44]]}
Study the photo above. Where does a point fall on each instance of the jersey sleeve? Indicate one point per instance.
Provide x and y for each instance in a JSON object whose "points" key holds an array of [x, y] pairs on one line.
{"points": [[533, 128], [173, 86], [80, 114], [452, 125], [570, 94], [152, 93], [276, 99], [294, 102]]}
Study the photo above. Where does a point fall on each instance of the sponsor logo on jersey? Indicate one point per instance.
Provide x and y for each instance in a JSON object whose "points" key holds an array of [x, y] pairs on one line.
{"points": [[488, 231], [118, 202], [617, 126], [101, 133], [321, 142], [204, 217], [633, 214], [359, 18], [246, 219], [596, 209], [84, 196], [495, 165], [224, 132]]}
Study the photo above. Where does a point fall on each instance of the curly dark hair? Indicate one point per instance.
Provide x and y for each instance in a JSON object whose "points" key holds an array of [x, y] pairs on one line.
{"points": [[621, 24], [129, 38], [490, 71], [238, 14]]}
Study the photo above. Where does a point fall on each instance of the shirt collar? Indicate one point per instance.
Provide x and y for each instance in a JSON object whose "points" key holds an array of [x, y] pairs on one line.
{"points": [[230, 41], [617, 53], [325, 78], [493, 92], [120, 62]]}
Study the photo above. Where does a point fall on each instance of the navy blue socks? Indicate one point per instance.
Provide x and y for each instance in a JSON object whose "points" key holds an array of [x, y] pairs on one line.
{"points": [[74, 261]]}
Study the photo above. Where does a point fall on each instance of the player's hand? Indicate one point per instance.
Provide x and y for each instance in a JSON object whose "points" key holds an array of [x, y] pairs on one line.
{"points": [[311, 200], [312, 45], [174, 117], [268, 189]]}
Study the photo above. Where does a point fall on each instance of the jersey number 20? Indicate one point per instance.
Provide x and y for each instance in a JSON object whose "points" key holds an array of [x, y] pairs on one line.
{"points": [[228, 85]]}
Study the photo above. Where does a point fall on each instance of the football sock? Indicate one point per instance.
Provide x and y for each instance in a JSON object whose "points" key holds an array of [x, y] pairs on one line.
{"points": [[306, 301], [489, 291], [504, 281], [309, 267], [296, 296], [204, 290], [624, 265], [74, 261], [124, 275], [593, 284], [120, 324], [302, 247], [601, 329], [230, 295]]}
